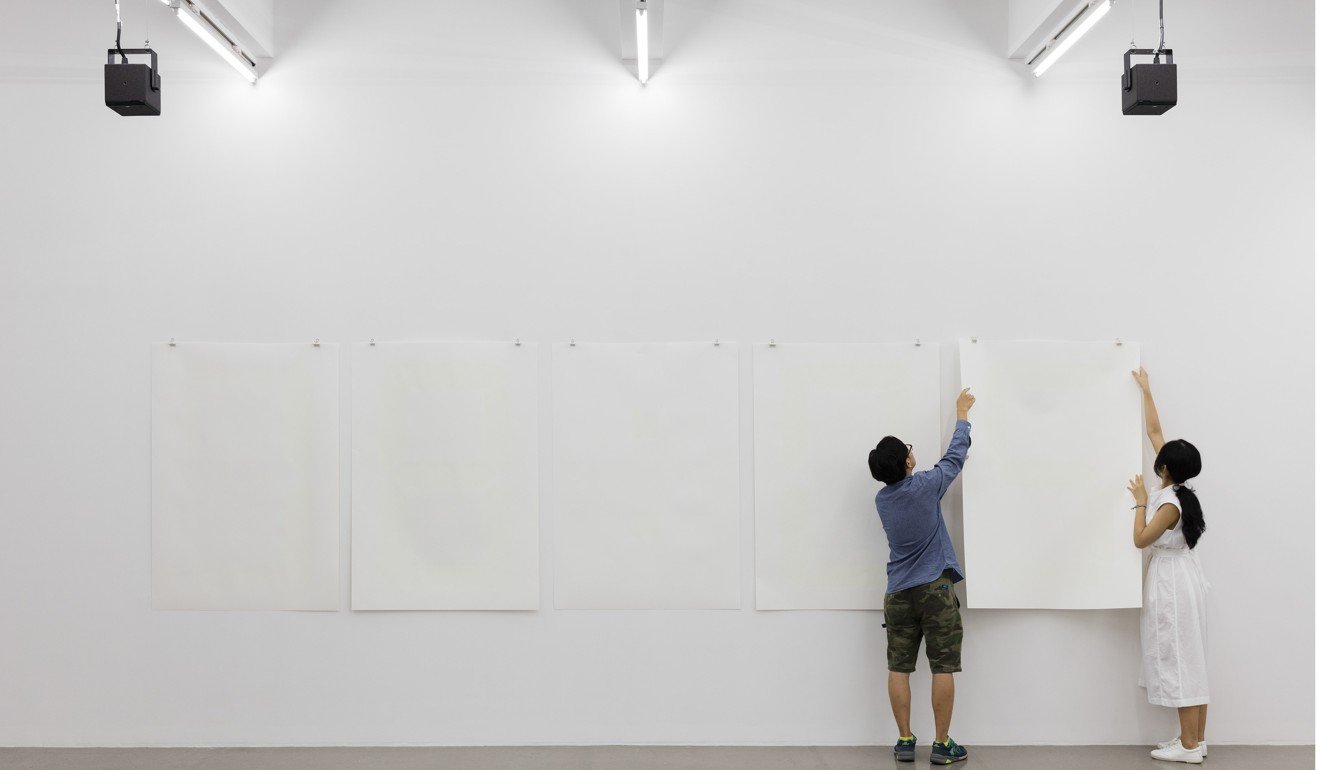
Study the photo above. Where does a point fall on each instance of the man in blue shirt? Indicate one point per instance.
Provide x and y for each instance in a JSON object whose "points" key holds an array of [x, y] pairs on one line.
{"points": [[922, 571]]}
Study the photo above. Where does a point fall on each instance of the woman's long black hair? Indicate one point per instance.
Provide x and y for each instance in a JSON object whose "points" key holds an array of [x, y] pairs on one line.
{"points": [[1182, 461]]}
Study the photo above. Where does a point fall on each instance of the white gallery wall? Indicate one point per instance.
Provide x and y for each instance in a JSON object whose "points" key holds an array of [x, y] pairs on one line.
{"points": [[807, 170]]}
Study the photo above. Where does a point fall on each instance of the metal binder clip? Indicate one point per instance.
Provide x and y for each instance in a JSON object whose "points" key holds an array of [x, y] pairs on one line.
{"points": [[373, 342], [517, 342], [772, 343], [171, 342], [316, 343], [918, 342]]}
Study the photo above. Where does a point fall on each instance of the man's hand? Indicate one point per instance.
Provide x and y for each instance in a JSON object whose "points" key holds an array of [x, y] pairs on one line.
{"points": [[1142, 379], [965, 401], [1137, 486]]}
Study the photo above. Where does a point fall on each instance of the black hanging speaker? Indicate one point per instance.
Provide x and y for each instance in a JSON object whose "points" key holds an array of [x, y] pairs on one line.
{"points": [[1149, 89], [132, 89]]}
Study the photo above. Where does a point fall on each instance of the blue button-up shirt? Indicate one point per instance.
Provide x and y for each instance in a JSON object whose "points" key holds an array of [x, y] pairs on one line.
{"points": [[919, 545]]}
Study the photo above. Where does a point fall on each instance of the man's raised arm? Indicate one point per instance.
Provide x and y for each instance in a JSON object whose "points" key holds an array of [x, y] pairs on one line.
{"points": [[950, 465]]}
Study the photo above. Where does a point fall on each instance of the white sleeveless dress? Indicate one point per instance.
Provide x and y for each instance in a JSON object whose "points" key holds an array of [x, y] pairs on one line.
{"points": [[1173, 617]]}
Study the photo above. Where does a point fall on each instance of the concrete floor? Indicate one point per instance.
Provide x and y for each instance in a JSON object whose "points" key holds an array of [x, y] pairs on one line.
{"points": [[635, 757]]}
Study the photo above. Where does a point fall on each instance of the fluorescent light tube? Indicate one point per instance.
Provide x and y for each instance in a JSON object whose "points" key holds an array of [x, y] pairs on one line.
{"points": [[1071, 35], [643, 48], [202, 27]]}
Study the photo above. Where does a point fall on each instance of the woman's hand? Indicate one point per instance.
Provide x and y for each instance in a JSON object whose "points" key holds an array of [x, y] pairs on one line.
{"points": [[1142, 379], [1137, 486]]}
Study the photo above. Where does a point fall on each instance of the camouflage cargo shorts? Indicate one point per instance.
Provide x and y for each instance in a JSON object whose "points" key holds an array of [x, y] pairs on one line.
{"points": [[930, 610]]}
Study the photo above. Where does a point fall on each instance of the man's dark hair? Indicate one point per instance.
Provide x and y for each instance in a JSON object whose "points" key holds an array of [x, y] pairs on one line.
{"points": [[888, 461]]}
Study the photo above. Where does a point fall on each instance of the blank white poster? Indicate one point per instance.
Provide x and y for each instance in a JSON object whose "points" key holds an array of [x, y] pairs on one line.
{"points": [[646, 476], [820, 409], [1056, 435], [245, 476], [445, 476]]}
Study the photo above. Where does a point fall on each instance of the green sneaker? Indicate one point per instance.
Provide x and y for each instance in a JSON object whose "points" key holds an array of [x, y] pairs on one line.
{"points": [[906, 749], [946, 753]]}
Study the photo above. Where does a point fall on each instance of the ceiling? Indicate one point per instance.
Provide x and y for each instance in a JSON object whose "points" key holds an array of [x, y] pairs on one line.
{"points": [[705, 40]]}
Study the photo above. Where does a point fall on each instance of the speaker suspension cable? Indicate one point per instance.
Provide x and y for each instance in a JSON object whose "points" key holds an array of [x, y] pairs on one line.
{"points": [[1161, 45], [1132, 19], [119, 31]]}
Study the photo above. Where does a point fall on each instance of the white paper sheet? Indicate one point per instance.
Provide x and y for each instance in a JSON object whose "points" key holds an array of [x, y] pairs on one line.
{"points": [[819, 410], [245, 477], [1056, 435], [646, 476], [445, 477]]}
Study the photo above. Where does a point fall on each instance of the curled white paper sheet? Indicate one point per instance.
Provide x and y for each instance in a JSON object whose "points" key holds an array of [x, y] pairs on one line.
{"points": [[646, 476], [245, 476], [1056, 435], [445, 476], [820, 409]]}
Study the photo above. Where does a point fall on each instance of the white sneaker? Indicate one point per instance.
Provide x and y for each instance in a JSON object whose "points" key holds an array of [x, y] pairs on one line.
{"points": [[1177, 741], [1176, 753]]}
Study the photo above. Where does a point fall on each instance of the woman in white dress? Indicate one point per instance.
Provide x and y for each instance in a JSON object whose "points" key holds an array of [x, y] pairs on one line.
{"points": [[1173, 616]]}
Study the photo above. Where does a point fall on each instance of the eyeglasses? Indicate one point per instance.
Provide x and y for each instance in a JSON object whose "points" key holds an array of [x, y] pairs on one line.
{"points": [[909, 446]]}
